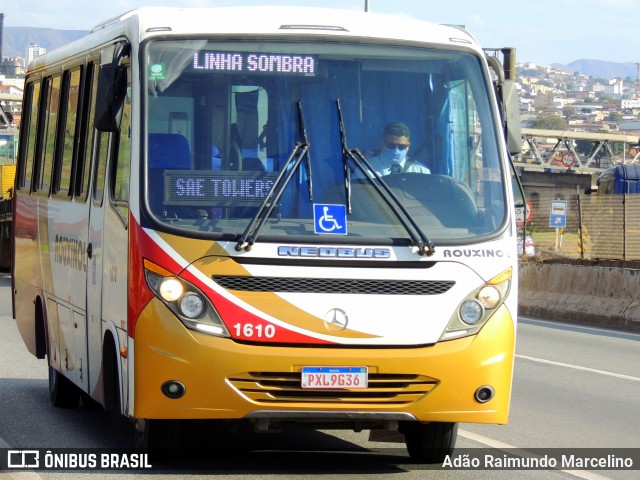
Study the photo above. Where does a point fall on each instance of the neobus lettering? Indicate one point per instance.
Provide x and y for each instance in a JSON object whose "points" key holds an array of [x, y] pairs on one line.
{"points": [[340, 252], [458, 253]]}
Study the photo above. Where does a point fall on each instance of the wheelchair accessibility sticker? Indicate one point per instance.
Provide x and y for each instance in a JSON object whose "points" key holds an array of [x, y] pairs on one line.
{"points": [[330, 219]]}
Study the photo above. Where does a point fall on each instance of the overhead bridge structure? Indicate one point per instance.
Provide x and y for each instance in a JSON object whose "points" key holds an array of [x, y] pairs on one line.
{"points": [[557, 149], [5, 124], [11, 97]]}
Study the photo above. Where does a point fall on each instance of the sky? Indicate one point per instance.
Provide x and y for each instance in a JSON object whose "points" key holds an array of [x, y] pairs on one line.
{"points": [[542, 31]]}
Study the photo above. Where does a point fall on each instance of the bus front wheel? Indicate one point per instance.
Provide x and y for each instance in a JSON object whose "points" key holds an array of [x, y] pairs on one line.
{"points": [[62, 392], [152, 434], [430, 442]]}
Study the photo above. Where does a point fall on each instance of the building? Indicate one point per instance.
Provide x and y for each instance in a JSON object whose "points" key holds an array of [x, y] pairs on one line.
{"points": [[629, 103], [33, 51], [630, 127], [615, 87], [12, 66]]}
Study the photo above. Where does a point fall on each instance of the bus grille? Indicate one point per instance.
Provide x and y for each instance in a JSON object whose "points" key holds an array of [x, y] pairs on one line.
{"points": [[282, 388], [334, 285]]}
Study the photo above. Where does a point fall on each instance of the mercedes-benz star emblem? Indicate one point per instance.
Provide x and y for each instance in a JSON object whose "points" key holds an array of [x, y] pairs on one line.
{"points": [[336, 320]]}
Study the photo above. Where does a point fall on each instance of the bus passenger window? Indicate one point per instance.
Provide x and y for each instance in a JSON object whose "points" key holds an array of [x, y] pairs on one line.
{"points": [[71, 103], [28, 139], [81, 173], [49, 125]]}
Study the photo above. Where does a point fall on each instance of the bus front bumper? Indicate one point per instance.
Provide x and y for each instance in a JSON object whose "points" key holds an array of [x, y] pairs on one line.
{"points": [[223, 379]]}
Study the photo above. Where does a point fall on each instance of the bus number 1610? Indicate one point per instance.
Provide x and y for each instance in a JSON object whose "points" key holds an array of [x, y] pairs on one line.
{"points": [[249, 330]]}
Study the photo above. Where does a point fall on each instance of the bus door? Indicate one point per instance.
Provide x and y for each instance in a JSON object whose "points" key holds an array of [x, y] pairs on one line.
{"points": [[94, 256], [107, 244]]}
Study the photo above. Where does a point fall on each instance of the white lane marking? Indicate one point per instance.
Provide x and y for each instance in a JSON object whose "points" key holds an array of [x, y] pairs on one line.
{"points": [[578, 367], [490, 442]]}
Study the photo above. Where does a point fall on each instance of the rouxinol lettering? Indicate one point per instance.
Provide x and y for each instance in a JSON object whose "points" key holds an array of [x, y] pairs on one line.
{"points": [[70, 252], [473, 253]]}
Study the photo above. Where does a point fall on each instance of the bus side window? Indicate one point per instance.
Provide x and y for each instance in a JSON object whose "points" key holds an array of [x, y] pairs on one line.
{"points": [[48, 123], [28, 137], [67, 133], [101, 150], [86, 133], [121, 167], [106, 152]]}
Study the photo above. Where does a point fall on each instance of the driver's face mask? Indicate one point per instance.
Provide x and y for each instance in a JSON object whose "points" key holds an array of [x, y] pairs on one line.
{"points": [[395, 155]]}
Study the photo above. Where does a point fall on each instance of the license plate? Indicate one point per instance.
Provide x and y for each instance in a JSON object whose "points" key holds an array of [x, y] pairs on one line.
{"points": [[334, 377]]}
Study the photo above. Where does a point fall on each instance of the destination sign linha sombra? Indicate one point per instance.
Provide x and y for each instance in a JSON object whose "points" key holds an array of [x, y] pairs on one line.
{"points": [[268, 63]]}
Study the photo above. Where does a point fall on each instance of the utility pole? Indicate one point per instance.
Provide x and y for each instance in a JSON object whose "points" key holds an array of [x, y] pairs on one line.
{"points": [[1, 28], [366, 5], [638, 79]]}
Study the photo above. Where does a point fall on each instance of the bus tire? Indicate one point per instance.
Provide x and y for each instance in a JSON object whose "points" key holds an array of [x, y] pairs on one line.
{"points": [[62, 392], [155, 434], [5, 251], [110, 376], [430, 442]]}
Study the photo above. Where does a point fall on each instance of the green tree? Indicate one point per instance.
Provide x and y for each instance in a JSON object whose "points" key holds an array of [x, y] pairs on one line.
{"points": [[549, 121], [615, 117]]}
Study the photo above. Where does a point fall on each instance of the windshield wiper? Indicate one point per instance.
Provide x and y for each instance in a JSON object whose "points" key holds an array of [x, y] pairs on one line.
{"points": [[346, 155], [298, 153], [419, 238]]}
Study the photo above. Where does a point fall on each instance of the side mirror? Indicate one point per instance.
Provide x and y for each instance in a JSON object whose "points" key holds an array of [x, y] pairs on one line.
{"points": [[507, 94], [112, 89], [513, 130]]}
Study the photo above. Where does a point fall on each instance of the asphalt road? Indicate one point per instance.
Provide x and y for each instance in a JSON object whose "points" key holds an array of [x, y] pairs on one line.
{"points": [[573, 388]]}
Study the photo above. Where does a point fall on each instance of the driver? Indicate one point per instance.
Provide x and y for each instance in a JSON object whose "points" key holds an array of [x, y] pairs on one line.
{"points": [[393, 152]]}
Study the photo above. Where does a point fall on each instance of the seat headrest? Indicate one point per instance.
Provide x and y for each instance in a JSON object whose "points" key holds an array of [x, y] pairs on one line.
{"points": [[169, 150]]}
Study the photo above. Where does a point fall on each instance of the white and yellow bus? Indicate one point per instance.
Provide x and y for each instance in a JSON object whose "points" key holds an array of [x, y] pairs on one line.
{"points": [[208, 227]]}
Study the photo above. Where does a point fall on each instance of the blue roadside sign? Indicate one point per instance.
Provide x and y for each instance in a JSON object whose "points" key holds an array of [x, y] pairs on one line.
{"points": [[558, 214]]}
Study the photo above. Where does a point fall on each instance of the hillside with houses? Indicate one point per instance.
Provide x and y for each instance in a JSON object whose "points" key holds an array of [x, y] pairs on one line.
{"points": [[553, 98]]}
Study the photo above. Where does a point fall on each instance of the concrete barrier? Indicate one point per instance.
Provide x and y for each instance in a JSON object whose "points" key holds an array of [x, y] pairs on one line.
{"points": [[600, 296]]}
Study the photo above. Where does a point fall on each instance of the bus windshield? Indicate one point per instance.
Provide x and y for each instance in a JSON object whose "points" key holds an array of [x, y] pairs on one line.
{"points": [[298, 137]]}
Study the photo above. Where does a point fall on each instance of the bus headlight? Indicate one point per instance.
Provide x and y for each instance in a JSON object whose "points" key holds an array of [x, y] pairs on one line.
{"points": [[170, 289], [489, 296], [474, 311], [192, 305], [471, 312], [185, 300]]}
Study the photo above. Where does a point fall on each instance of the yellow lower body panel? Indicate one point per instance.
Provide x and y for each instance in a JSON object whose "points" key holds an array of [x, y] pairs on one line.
{"points": [[227, 380]]}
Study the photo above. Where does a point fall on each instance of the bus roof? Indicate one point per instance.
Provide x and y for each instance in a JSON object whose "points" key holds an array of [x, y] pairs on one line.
{"points": [[147, 22], [283, 20]]}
